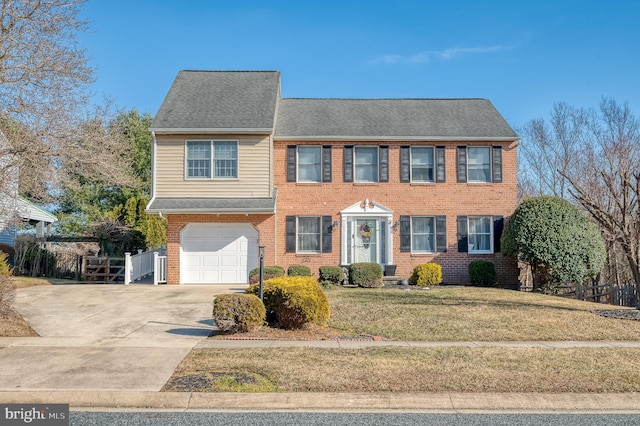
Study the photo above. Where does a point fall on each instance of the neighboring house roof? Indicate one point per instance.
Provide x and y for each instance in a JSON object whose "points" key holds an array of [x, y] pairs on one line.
{"points": [[391, 119], [220, 101], [218, 205], [29, 211]]}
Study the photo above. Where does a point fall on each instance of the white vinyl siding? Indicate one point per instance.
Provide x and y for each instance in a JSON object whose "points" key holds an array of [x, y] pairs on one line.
{"points": [[253, 170]]}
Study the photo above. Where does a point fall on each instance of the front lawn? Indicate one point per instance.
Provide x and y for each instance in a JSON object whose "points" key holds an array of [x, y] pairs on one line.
{"points": [[471, 314], [438, 314]]}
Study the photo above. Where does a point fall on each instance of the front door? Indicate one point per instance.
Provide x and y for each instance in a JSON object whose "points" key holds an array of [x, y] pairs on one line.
{"points": [[365, 239]]}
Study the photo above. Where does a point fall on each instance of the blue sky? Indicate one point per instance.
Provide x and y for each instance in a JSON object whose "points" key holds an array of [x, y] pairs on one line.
{"points": [[522, 55]]}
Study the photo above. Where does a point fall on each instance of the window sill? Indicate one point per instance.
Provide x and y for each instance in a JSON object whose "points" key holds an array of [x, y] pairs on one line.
{"points": [[425, 254], [422, 183], [366, 183], [309, 183], [313, 254], [480, 252]]}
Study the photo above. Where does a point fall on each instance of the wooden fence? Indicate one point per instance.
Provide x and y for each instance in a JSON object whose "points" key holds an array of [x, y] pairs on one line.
{"points": [[623, 295], [103, 269]]}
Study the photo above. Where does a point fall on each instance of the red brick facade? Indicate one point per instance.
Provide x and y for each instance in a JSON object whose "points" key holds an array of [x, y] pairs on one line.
{"points": [[450, 199]]}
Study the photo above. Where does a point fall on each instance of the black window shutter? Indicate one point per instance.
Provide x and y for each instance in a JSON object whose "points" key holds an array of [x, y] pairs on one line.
{"points": [[440, 164], [405, 233], [383, 163], [348, 163], [498, 226], [441, 233], [405, 174], [497, 164], [462, 164], [463, 236], [326, 234], [291, 163], [326, 163], [290, 233]]}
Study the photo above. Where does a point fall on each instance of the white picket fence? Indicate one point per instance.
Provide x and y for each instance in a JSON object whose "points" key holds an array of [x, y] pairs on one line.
{"points": [[146, 263]]}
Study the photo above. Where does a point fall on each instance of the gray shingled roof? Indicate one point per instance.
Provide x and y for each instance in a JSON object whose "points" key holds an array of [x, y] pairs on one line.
{"points": [[391, 118], [213, 205], [220, 100]]}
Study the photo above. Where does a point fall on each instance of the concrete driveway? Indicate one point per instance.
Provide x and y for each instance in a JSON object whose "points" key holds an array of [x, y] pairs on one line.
{"points": [[106, 337]]}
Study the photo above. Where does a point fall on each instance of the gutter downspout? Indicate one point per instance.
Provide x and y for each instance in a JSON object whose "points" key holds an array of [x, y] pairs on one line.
{"points": [[153, 170]]}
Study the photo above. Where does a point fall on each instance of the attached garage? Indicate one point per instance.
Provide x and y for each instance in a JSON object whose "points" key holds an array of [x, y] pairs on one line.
{"points": [[217, 253]]}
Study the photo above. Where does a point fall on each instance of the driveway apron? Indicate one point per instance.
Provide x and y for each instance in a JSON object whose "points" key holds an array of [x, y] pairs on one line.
{"points": [[106, 337]]}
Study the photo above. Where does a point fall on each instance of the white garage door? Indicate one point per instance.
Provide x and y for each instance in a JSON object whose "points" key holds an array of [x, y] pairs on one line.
{"points": [[217, 253]]}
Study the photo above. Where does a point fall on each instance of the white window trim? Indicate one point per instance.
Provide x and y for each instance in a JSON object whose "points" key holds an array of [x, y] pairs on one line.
{"points": [[490, 165], [298, 164], [212, 160], [434, 235], [298, 251], [355, 180], [490, 251], [433, 156]]}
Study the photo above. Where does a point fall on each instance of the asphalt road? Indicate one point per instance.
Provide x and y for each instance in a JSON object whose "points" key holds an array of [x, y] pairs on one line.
{"points": [[156, 418]]}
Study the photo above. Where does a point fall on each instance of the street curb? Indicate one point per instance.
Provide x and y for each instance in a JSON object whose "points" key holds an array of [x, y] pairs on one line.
{"points": [[518, 402]]}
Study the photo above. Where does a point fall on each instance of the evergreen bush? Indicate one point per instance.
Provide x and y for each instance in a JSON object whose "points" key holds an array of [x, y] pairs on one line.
{"points": [[269, 272], [366, 274], [482, 273], [238, 312], [426, 275], [299, 271], [292, 302], [330, 275]]}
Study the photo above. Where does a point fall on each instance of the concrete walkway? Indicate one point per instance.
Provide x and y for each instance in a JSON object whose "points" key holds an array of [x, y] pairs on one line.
{"points": [[116, 346]]}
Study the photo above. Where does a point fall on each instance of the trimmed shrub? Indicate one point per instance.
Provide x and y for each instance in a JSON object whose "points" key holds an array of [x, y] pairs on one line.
{"points": [[269, 272], [330, 275], [238, 312], [292, 302], [482, 273], [299, 271], [426, 274], [366, 274]]}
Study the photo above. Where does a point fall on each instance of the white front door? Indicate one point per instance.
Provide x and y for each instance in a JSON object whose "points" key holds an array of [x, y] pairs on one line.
{"points": [[365, 241]]}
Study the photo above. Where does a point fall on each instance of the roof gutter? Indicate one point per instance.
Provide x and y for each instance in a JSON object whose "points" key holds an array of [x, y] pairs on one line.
{"points": [[398, 138], [216, 130]]}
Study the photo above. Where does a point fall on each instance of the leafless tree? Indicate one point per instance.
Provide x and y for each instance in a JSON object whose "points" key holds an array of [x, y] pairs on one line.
{"points": [[606, 181], [548, 150], [592, 158], [51, 130]]}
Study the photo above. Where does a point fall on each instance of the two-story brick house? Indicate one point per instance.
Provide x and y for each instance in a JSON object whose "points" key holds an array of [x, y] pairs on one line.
{"points": [[327, 181]]}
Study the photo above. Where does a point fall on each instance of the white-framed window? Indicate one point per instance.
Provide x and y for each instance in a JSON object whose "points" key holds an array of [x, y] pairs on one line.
{"points": [[479, 164], [309, 164], [422, 164], [480, 234], [423, 234], [201, 155], [365, 163], [308, 231]]}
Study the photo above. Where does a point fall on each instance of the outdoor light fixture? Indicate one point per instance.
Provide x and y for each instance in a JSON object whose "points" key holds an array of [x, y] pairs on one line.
{"points": [[335, 225], [396, 225]]}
